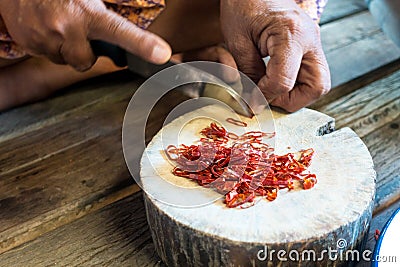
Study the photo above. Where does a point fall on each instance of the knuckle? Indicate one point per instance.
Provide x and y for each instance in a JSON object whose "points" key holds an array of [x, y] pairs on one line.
{"points": [[115, 27], [283, 88], [299, 26], [325, 88], [320, 89], [284, 103], [143, 39], [54, 23], [59, 27], [324, 84], [282, 85], [293, 23], [316, 93], [80, 59], [278, 83]]}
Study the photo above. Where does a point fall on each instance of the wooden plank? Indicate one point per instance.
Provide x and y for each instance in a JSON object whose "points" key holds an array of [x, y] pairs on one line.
{"points": [[354, 60], [34, 116], [374, 113], [81, 125], [358, 27], [52, 174], [43, 185], [61, 188], [116, 235], [336, 9], [384, 146], [355, 55], [368, 108], [350, 86]]}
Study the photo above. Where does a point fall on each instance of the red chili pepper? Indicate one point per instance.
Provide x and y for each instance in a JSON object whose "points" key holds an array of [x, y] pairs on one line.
{"points": [[272, 194], [236, 122], [241, 169], [233, 136], [172, 152], [309, 181], [377, 234]]}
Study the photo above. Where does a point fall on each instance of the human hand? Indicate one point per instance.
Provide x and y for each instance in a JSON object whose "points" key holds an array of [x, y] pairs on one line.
{"points": [[215, 53], [62, 29], [297, 73]]}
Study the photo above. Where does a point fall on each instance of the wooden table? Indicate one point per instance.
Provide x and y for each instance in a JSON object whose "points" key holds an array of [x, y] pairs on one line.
{"points": [[67, 198]]}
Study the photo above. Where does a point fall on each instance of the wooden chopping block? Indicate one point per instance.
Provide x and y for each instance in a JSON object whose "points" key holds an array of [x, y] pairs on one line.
{"points": [[332, 216]]}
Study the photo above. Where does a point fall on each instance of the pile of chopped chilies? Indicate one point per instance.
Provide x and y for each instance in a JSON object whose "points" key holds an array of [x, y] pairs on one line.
{"points": [[240, 167]]}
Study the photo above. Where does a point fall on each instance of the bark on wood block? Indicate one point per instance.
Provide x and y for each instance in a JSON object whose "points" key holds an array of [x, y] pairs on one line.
{"points": [[337, 209]]}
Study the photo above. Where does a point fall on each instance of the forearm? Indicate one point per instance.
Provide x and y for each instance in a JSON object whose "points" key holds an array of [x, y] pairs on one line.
{"points": [[37, 78]]}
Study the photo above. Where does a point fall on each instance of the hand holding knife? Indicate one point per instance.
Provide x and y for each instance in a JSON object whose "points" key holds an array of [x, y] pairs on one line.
{"points": [[226, 94]]}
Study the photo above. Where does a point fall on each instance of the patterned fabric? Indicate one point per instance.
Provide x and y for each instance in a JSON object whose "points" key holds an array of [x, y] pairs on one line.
{"points": [[313, 8], [142, 13]]}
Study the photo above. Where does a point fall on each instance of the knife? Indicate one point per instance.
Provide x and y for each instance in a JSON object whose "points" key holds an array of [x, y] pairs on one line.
{"points": [[226, 93]]}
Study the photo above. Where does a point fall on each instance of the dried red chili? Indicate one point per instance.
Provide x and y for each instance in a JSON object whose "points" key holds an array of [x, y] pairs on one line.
{"points": [[240, 167], [377, 234], [236, 122]]}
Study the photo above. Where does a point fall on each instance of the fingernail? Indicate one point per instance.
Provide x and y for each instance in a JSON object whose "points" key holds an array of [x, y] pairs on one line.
{"points": [[160, 54]]}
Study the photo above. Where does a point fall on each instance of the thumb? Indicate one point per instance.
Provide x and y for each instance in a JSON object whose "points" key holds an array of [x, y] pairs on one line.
{"points": [[110, 27]]}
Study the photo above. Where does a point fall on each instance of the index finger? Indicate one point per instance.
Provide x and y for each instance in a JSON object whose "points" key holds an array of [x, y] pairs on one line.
{"points": [[110, 27], [282, 68]]}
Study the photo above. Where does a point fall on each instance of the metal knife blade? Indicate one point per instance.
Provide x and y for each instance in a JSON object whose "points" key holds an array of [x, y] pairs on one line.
{"points": [[225, 93]]}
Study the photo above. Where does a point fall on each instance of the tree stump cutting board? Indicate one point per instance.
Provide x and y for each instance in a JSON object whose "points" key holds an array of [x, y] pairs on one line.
{"points": [[308, 225]]}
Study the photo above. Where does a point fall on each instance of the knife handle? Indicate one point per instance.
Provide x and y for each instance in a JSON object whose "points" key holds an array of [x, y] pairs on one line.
{"points": [[115, 53]]}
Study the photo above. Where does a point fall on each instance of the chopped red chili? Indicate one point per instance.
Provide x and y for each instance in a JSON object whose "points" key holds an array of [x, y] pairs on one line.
{"points": [[241, 167], [377, 234], [236, 122]]}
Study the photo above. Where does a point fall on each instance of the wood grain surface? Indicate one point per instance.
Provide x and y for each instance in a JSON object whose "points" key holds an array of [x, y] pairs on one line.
{"points": [[384, 146], [116, 235], [336, 9], [354, 60], [65, 160], [56, 158], [355, 55], [79, 96]]}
